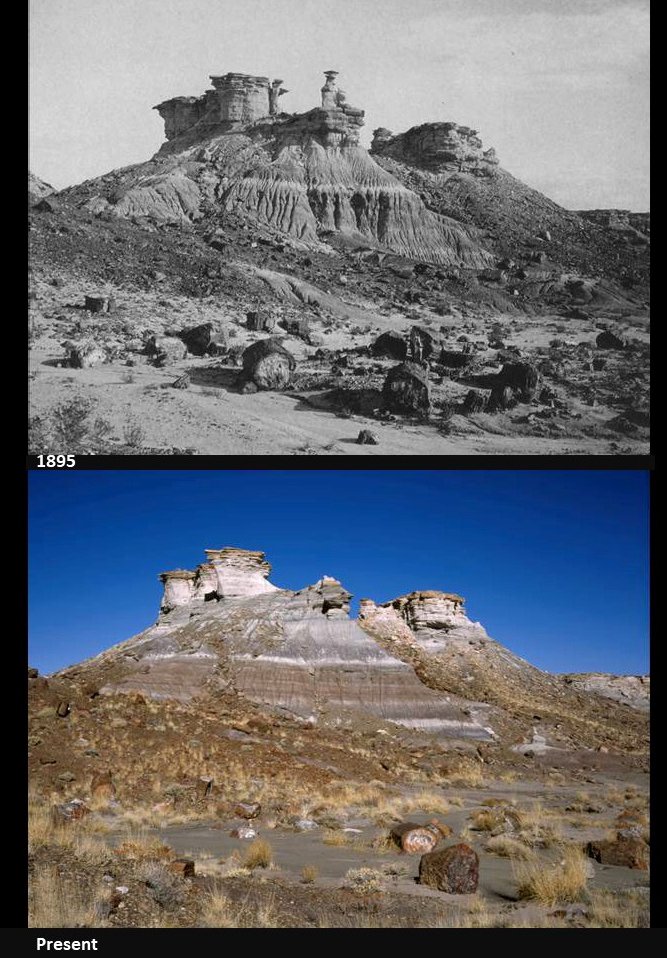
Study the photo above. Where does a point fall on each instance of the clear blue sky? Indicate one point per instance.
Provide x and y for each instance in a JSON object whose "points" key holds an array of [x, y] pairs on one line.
{"points": [[554, 564]]}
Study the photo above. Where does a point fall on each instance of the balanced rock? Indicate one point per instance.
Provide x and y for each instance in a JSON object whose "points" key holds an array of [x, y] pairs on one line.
{"points": [[454, 870]]}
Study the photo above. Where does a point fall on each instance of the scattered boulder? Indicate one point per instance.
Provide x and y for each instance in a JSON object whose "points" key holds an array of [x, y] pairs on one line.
{"points": [[183, 382], [197, 339], [86, 355], [260, 320], [244, 832], [248, 810], [32, 673], [268, 364], [390, 344], [367, 438], [524, 378], [165, 349], [62, 709], [414, 839], [100, 304], [305, 824], [627, 849], [183, 867], [607, 340], [407, 389], [455, 359], [502, 397], [298, 327], [454, 870]]}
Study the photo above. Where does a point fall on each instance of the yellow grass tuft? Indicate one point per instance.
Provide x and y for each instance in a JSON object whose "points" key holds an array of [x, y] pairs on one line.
{"points": [[563, 881], [258, 855]]}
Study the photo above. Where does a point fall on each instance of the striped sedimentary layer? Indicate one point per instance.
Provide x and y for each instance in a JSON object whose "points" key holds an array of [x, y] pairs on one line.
{"points": [[300, 175], [295, 651]]}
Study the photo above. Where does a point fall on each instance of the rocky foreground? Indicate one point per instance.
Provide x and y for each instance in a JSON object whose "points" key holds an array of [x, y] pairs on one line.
{"points": [[254, 225]]}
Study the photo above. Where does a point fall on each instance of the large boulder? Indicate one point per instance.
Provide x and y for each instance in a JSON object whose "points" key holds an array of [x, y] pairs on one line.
{"points": [[454, 870], [407, 389], [197, 339], [268, 365], [390, 344], [165, 349], [524, 379], [258, 319], [607, 340], [86, 355], [423, 343]]}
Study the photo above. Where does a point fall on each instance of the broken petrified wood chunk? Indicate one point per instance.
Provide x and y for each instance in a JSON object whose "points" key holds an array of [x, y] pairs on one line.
{"points": [[524, 378], [248, 810], [62, 709], [454, 359], [268, 364], [183, 382], [260, 320], [390, 344], [98, 304], [86, 355], [197, 339], [454, 870], [628, 850], [415, 839], [367, 438], [407, 389], [244, 832], [165, 349], [607, 340]]}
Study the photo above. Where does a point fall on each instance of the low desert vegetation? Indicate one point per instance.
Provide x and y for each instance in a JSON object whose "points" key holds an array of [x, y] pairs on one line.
{"points": [[309, 874], [258, 855], [363, 880], [52, 903], [550, 883]]}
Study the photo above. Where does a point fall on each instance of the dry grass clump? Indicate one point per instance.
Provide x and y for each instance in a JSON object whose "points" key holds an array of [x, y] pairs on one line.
{"points": [[144, 848], [363, 880], [337, 837], [54, 904], [467, 775], [309, 874], [219, 911], [507, 847], [622, 909], [258, 855], [78, 838], [562, 881]]}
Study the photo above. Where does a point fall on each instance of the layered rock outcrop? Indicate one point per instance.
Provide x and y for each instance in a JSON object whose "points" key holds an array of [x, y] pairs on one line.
{"points": [[231, 152], [431, 619], [438, 147], [223, 626]]}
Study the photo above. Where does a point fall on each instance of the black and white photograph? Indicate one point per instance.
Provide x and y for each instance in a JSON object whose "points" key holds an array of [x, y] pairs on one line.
{"points": [[279, 227]]}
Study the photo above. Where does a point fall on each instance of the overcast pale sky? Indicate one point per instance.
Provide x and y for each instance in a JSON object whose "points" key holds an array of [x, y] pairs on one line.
{"points": [[559, 87]]}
